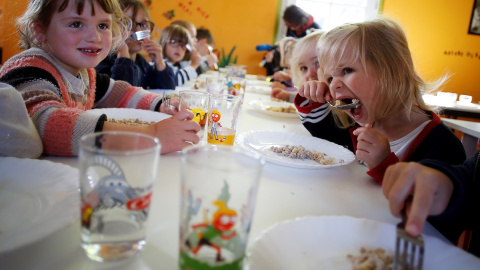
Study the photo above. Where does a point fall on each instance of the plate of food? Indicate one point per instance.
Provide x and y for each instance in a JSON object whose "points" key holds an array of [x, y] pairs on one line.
{"points": [[295, 150], [259, 89], [339, 242], [131, 116], [275, 108], [37, 198]]}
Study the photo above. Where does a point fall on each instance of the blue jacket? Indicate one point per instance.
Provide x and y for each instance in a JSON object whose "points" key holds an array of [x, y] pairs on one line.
{"points": [[138, 73], [462, 212]]}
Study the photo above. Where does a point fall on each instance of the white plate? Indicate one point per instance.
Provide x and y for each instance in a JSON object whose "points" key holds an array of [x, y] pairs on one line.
{"points": [[127, 113], [37, 198], [258, 82], [261, 141], [324, 242], [260, 89], [262, 105]]}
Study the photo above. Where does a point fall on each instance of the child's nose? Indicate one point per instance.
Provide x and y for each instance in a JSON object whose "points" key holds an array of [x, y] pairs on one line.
{"points": [[93, 36], [312, 74], [334, 85]]}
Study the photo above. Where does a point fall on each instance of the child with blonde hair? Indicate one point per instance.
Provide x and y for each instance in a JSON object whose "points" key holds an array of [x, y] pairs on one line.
{"points": [[65, 40], [370, 64]]}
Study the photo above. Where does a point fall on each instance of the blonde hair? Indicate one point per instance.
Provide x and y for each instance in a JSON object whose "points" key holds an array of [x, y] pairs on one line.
{"points": [[285, 46], [41, 12], [304, 45], [383, 44], [177, 33]]}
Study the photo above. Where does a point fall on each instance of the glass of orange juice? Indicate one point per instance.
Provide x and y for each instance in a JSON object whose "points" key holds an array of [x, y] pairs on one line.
{"points": [[197, 102], [222, 118]]}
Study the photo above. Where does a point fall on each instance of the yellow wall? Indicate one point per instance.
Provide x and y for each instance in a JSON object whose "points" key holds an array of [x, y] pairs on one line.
{"points": [[240, 23], [232, 23], [8, 32], [437, 31]]}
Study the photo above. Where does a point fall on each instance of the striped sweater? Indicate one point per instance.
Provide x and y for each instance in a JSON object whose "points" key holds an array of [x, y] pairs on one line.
{"points": [[58, 102], [183, 74], [436, 141]]}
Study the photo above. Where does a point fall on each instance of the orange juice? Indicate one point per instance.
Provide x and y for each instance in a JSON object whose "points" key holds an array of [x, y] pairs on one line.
{"points": [[224, 136]]}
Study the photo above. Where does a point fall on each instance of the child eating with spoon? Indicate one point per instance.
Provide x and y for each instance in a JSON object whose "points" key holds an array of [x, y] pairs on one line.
{"points": [[371, 62]]}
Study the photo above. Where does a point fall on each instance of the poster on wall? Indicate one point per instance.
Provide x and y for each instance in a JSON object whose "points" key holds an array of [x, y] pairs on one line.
{"points": [[475, 19]]}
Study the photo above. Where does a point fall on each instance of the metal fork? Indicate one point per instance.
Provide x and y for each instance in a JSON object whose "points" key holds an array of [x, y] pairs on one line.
{"points": [[408, 249], [139, 35], [345, 107], [166, 100]]}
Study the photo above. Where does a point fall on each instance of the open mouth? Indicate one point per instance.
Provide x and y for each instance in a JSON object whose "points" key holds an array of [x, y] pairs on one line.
{"points": [[90, 50]]}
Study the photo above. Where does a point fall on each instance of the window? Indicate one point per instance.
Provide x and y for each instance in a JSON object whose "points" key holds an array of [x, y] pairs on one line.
{"points": [[332, 13]]}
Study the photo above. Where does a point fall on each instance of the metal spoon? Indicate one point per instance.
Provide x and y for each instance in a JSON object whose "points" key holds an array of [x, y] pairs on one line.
{"points": [[346, 106]]}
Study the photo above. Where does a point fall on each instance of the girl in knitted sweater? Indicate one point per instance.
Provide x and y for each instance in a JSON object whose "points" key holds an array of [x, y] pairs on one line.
{"points": [[65, 40]]}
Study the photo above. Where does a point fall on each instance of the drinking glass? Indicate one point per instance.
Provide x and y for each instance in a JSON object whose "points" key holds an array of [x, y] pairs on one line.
{"points": [[222, 118], [198, 103], [117, 172], [218, 192]]}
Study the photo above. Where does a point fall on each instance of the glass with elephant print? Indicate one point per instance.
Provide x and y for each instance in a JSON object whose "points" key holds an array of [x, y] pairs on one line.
{"points": [[117, 172]]}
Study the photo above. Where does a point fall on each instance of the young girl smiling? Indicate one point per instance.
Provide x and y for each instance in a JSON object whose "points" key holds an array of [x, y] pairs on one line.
{"points": [[66, 39]]}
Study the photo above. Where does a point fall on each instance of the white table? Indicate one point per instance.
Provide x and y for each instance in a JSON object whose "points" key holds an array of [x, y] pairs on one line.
{"points": [[471, 133], [284, 193]]}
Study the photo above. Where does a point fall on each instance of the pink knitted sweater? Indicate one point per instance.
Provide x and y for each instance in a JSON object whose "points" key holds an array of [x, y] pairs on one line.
{"points": [[58, 102]]}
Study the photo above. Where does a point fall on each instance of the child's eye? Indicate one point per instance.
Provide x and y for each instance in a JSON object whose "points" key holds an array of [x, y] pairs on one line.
{"points": [[329, 79], [303, 68], [103, 26], [316, 64], [76, 24], [347, 70]]}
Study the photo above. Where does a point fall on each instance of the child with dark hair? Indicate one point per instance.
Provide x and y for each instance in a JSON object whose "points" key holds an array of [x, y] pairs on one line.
{"points": [[128, 64], [175, 41]]}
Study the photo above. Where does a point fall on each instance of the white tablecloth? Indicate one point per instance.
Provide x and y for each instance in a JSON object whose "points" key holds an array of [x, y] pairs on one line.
{"points": [[284, 193]]}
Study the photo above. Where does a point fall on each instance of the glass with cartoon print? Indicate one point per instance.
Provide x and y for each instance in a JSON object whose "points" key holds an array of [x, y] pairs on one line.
{"points": [[218, 192], [117, 172], [198, 103], [222, 118]]}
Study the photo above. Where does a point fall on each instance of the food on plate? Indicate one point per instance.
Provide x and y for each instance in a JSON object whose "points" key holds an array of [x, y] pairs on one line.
{"points": [[371, 259], [299, 152], [131, 122], [289, 109]]}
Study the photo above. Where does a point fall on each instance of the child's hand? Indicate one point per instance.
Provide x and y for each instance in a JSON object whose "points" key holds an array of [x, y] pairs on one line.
{"points": [[155, 52], [431, 191], [176, 132], [372, 147], [315, 91], [123, 51], [279, 93], [195, 58], [276, 84], [280, 76], [174, 102]]}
